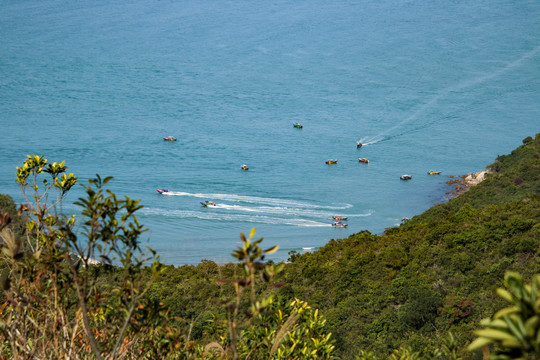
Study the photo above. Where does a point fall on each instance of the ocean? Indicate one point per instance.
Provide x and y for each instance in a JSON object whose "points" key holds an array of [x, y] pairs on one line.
{"points": [[424, 85]]}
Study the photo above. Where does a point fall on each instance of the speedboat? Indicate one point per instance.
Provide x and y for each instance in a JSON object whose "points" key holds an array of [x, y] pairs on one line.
{"points": [[244, 167], [207, 203], [162, 191], [433, 172], [298, 125], [363, 160], [405, 177], [358, 144], [339, 218], [331, 161], [169, 138], [339, 224]]}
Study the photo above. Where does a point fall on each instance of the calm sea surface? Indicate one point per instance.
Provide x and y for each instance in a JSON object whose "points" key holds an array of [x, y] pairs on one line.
{"points": [[442, 85]]}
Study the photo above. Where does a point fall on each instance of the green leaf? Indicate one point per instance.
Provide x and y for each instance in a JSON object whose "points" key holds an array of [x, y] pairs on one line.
{"points": [[511, 343], [506, 311], [505, 295], [498, 323], [494, 334], [479, 343], [516, 325], [531, 325], [271, 250]]}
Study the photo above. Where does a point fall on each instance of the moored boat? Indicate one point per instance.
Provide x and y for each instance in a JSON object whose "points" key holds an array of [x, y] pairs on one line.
{"points": [[244, 167], [169, 138], [298, 125], [433, 172], [405, 177], [363, 160], [331, 161]]}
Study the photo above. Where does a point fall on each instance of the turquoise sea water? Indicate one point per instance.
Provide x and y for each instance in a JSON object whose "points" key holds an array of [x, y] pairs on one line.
{"points": [[427, 84]]}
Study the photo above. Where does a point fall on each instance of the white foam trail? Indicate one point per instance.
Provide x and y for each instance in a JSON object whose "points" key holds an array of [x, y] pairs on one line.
{"points": [[443, 93], [258, 200], [214, 216], [285, 211], [365, 141]]}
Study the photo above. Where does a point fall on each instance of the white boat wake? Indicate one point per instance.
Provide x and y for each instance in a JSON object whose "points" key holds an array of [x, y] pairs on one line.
{"points": [[258, 200], [444, 93], [215, 216]]}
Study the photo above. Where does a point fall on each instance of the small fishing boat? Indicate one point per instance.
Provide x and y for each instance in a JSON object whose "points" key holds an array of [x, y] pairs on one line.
{"points": [[405, 177], [358, 144], [244, 167], [433, 172], [169, 138], [331, 161], [339, 218], [162, 191], [363, 160], [298, 125], [207, 203], [339, 224]]}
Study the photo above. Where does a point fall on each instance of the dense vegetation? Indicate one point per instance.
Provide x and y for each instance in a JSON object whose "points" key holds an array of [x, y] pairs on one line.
{"points": [[415, 283], [421, 288]]}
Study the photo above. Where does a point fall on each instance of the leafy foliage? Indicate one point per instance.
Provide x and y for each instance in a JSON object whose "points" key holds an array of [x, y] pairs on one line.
{"points": [[79, 288], [395, 295], [515, 330], [54, 308]]}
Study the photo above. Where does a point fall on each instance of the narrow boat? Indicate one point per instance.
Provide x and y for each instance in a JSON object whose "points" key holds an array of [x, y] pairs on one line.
{"points": [[339, 218], [169, 138], [162, 191], [339, 224], [363, 160], [433, 172], [405, 177], [331, 161], [207, 203], [244, 167], [298, 125]]}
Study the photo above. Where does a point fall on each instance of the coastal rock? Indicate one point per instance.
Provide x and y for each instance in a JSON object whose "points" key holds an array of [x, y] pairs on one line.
{"points": [[475, 178], [461, 186], [480, 176]]}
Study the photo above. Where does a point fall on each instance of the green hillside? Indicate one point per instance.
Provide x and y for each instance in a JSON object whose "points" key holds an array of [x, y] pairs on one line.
{"points": [[435, 274], [414, 283], [407, 289]]}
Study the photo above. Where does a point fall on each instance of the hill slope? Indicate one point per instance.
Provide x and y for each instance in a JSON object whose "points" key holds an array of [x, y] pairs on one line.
{"points": [[414, 283]]}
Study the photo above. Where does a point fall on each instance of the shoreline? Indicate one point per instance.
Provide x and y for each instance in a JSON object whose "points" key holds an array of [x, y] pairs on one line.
{"points": [[465, 182]]}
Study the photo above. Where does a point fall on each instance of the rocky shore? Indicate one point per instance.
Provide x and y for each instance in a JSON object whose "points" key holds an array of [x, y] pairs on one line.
{"points": [[464, 182]]}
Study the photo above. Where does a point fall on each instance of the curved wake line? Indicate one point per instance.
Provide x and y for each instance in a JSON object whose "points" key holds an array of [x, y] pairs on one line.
{"points": [[443, 93], [286, 211], [234, 217], [258, 200]]}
